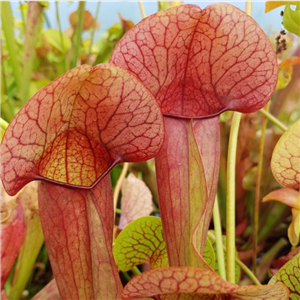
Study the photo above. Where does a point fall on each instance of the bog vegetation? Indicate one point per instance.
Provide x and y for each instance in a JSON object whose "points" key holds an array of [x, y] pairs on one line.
{"points": [[160, 160]]}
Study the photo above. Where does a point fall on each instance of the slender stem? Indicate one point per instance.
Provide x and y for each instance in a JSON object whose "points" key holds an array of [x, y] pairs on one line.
{"points": [[247, 271], [240, 263], [65, 66], [119, 184], [230, 195], [126, 276], [118, 211], [135, 271], [77, 35], [8, 29], [3, 123], [248, 7], [219, 241], [94, 29], [257, 190], [23, 15], [142, 9], [33, 28], [274, 120]]}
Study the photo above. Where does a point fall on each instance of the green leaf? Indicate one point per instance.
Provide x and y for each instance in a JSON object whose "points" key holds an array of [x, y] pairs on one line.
{"points": [[291, 19], [289, 275], [53, 37], [141, 242], [209, 254]]}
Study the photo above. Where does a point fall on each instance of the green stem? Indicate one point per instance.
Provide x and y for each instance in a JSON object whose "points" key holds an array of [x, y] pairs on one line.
{"points": [[274, 120], [246, 270], [8, 29], [126, 276], [135, 271], [257, 190], [65, 65], [230, 195], [219, 241], [23, 15], [118, 211], [3, 123], [77, 35], [27, 257], [94, 30], [33, 28]]}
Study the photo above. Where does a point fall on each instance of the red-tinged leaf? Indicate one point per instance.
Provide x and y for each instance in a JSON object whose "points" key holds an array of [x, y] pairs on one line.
{"points": [[77, 128], [289, 275], [286, 157], [4, 295], [199, 63], [136, 200], [88, 20], [187, 280], [141, 242], [261, 292], [13, 231], [182, 193], [286, 71], [78, 227], [49, 292], [278, 263], [286, 196]]}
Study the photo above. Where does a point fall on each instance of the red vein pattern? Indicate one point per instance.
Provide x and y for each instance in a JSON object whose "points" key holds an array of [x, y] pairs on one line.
{"points": [[285, 162], [289, 275], [186, 283], [78, 127], [78, 226], [199, 63]]}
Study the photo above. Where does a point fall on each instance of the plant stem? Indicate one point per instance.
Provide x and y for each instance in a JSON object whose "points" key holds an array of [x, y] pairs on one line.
{"points": [[142, 9], [23, 15], [3, 123], [257, 190], [247, 271], [135, 271], [8, 29], [93, 30], [118, 211], [77, 35], [240, 263], [230, 195], [248, 7], [219, 242], [33, 27], [274, 120], [126, 276], [27, 256], [65, 65], [119, 184]]}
